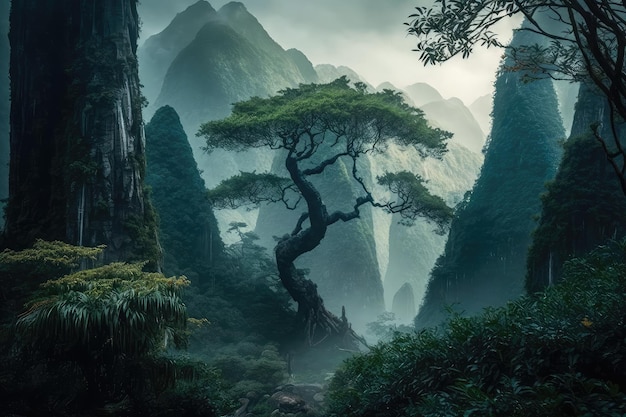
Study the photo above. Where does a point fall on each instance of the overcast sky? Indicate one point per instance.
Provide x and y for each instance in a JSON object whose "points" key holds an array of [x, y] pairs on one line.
{"points": [[366, 35]]}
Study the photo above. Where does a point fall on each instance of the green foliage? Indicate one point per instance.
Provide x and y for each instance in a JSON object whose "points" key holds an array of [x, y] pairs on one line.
{"points": [[198, 391], [415, 199], [249, 367], [582, 38], [360, 120], [484, 259], [142, 229], [249, 188], [116, 307], [243, 298], [385, 327], [188, 229], [584, 205], [98, 336], [555, 354], [47, 258]]}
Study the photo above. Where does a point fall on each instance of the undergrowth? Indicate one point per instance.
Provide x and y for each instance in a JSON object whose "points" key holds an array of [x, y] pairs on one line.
{"points": [[556, 353]]}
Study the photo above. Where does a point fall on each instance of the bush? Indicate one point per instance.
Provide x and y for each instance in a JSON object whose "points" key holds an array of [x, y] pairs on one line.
{"points": [[556, 353], [261, 370]]}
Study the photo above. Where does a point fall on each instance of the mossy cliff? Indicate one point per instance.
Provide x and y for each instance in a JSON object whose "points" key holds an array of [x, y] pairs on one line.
{"points": [[77, 146]]}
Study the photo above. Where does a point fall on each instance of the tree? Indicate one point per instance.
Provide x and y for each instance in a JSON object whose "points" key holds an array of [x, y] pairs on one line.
{"points": [[587, 42], [314, 126]]}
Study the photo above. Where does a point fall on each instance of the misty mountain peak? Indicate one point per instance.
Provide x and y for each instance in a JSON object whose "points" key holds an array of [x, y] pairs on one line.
{"points": [[200, 6], [234, 7], [422, 93], [159, 50], [244, 23]]}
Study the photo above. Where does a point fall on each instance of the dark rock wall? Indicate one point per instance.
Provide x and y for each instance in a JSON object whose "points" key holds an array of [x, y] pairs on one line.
{"points": [[77, 146], [4, 106]]}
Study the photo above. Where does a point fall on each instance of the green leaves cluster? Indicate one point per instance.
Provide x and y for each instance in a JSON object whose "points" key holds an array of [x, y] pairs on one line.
{"points": [[301, 119], [116, 306], [558, 353], [249, 188], [414, 199]]}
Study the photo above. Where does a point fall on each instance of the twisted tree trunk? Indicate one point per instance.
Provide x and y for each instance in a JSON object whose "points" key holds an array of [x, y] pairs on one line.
{"points": [[320, 325]]}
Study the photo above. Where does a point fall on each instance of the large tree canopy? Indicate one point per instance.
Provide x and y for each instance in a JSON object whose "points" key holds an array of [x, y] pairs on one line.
{"points": [[313, 127], [587, 42]]}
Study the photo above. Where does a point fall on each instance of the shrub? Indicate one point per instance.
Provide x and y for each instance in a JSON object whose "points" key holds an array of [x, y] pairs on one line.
{"points": [[556, 353]]}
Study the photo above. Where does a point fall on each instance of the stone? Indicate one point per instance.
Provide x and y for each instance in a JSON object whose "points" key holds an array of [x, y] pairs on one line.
{"points": [[287, 402]]}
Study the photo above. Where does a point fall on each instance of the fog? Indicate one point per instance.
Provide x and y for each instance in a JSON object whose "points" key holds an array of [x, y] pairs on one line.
{"points": [[368, 36]]}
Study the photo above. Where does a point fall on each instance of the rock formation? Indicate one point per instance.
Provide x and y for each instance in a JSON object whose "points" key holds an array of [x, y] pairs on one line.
{"points": [[4, 107], [158, 51], [403, 305], [77, 146]]}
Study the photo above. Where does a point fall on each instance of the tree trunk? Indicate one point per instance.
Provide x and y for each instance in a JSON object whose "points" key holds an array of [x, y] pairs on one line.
{"points": [[319, 324]]}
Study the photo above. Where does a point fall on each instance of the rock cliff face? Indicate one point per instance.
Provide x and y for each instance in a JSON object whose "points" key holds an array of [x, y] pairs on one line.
{"points": [[77, 146], [4, 107]]}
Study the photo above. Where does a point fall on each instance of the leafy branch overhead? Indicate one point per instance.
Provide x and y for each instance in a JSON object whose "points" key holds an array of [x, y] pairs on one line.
{"points": [[249, 188], [584, 40]]}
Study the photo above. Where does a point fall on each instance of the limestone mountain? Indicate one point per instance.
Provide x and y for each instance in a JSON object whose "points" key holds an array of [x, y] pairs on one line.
{"points": [[584, 206], [452, 115], [77, 156], [4, 107], [327, 73], [158, 51], [481, 109], [484, 261], [422, 93], [231, 58]]}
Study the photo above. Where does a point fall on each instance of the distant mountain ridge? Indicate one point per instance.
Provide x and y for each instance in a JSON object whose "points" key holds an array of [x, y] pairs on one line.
{"points": [[160, 50]]}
